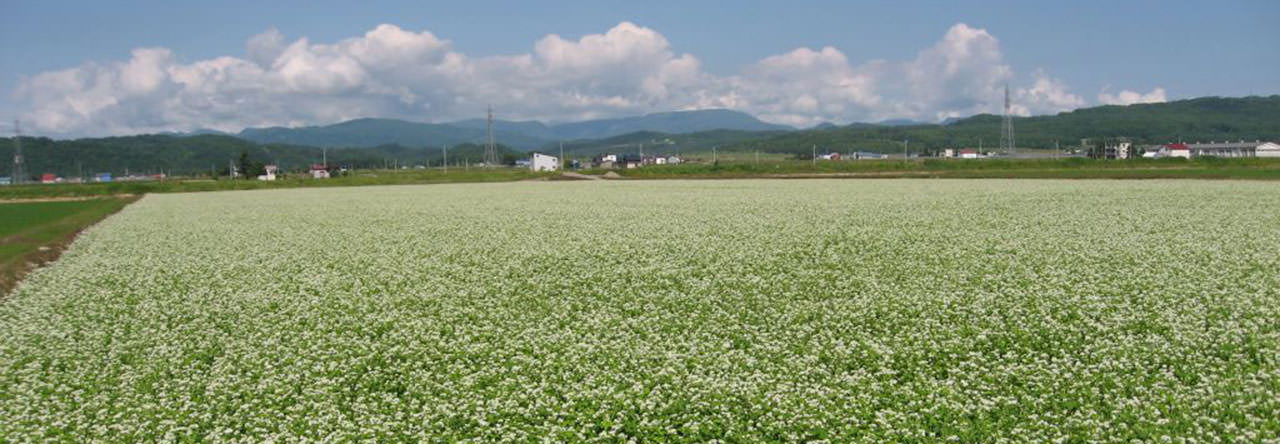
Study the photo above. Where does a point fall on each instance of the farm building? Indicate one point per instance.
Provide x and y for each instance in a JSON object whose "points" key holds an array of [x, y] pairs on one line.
{"points": [[1175, 150], [271, 173], [1226, 149], [319, 171], [543, 162], [630, 161], [1267, 149]]}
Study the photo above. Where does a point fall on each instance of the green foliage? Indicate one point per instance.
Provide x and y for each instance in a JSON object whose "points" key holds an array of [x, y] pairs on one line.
{"points": [[1205, 119]]}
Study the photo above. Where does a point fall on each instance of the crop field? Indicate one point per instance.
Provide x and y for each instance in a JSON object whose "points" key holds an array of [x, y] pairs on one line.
{"points": [[742, 311], [32, 232]]}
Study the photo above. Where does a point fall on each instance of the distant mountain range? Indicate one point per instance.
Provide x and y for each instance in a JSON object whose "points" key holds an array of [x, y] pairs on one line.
{"points": [[376, 142], [521, 135]]}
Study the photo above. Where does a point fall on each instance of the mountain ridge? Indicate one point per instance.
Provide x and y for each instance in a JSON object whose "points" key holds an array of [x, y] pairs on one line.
{"points": [[369, 132]]}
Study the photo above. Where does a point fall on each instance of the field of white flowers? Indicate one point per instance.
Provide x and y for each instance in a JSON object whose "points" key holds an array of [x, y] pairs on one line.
{"points": [[931, 310]]}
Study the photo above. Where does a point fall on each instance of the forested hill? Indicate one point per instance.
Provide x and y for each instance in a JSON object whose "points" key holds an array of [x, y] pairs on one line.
{"points": [[201, 154], [1208, 118]]}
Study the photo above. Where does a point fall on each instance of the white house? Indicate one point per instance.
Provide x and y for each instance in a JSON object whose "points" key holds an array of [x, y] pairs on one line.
{"points": [[1177, 150], [1268, 149], [543, 162], [271, 173]]}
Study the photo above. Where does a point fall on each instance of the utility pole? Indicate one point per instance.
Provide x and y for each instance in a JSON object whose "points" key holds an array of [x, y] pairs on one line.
{"points": [[445, 148], [904, 150], [18, 174], [815, 155], [562, 154], [714, 160]]}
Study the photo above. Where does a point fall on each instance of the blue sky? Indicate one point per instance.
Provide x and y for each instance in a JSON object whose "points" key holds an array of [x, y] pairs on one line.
{"points": [[1077, 51]]}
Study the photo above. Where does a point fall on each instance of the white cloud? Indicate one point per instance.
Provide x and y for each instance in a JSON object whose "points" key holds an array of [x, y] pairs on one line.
{"points": [[629, 69], [1127, 97], [1046, 95]]}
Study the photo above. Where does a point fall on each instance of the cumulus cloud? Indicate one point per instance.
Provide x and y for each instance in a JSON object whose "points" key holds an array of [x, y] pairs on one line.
{"points": [[1045, 95], [1127, 97], [627, 70]]}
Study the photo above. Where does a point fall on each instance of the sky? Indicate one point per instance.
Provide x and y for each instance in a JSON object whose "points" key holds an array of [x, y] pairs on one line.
{"points": [[72, 69]]}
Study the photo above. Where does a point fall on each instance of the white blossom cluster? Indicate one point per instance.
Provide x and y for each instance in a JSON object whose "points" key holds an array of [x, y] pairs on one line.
{"points": [[734, 311]]}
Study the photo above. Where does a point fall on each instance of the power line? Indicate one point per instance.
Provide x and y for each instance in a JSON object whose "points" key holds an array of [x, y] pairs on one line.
{"points": [[1006, 129], [490, 150]]}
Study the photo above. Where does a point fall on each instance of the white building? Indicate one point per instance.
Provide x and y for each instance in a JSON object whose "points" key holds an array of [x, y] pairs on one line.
{"points": [[1176, 150], [271, 173], [1267, 149], [1121, 150], [543, 162], [1226, 149]]}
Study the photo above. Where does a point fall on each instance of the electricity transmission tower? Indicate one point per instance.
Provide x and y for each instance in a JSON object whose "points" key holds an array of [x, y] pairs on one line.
{"points": [[490, 149], [1006, 129], [18, 173]]}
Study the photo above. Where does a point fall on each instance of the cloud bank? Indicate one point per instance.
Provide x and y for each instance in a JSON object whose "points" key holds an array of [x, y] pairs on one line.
{"points": [[627, 70], [1126, 97]]}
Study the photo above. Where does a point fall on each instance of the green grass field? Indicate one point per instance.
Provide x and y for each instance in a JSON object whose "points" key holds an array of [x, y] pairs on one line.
{"points": [[26, 227], [357, 178], [661, 311], [729, 165]]}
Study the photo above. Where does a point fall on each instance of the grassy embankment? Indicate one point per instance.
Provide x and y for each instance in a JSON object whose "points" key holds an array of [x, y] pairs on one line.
{"points": [[32, 233]]}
